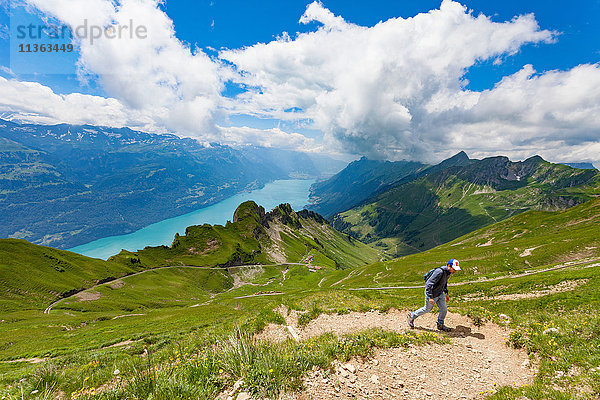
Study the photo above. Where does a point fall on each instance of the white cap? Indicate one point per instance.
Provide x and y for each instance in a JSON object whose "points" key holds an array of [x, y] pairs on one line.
{"points": [[454, 264]]}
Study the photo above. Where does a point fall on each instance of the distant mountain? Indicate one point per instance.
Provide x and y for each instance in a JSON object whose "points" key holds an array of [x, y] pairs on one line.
{"points": [[357, 182], [66, 185], [581, 165], [443, 202]]}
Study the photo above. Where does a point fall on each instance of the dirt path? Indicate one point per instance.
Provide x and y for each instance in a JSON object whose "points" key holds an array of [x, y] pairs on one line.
{"points": [[477, 359], [259, 295], [49, 308]]}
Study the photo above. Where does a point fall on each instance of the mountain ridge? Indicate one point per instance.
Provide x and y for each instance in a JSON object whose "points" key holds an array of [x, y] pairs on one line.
{"points": [[355, 183], [453, 198]]}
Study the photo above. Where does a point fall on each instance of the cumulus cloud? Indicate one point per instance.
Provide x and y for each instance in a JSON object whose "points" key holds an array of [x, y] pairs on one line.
{"points": [[556, 114], [393, 90], [33, 102], [24, 100], [377, 89], [152, 72]]}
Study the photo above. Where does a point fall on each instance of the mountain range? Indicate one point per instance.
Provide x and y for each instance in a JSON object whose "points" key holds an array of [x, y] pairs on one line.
{"points": [[66, 185], [404, 213]]}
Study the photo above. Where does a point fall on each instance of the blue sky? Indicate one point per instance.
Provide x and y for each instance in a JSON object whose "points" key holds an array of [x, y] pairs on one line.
{"points": [[237, 92], [237, 23]]}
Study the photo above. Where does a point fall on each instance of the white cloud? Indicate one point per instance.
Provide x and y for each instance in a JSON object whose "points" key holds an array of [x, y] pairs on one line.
{"points": [[7, 71], [316, 12], [393, 90], [24, 100], [555, 114], [152, 72], [272, 137], [33, 102], [374, 90]]}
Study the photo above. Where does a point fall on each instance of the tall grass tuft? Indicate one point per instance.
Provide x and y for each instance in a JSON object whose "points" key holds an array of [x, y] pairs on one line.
{"points": [[46, 378]]}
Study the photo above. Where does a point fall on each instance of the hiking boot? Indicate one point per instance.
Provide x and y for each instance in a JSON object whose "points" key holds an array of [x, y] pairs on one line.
{"points": [[443, 328], [410, 320]]}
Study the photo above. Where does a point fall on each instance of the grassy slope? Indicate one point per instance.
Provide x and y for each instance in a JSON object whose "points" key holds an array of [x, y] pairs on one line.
{"points": [[156, 289], [166, 329], [435, 209], [551, 237], [33, 276], [357, 182]]}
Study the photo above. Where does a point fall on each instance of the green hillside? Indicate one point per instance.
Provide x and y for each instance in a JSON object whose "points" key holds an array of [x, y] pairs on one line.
{"points": [[255, 236], [525, 241], [170, 287], [32, 277], [438, 207], [175, 324], [357, 182]]}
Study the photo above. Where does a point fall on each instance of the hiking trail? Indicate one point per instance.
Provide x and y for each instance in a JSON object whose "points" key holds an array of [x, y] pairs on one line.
{"points": [[476, 360]]}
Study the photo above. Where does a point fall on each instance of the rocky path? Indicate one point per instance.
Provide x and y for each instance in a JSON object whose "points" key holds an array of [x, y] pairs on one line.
{"points": [[476, 360]]}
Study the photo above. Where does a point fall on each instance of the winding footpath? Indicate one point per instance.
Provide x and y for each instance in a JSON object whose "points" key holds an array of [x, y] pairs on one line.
{"points": [[49, 308], [480, 280]]}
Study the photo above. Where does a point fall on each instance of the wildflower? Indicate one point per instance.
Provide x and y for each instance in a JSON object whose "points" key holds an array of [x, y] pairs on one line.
{"points": [[116, 372], [271, 371]]}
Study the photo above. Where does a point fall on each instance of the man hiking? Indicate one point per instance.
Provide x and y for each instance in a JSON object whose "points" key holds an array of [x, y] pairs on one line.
{"points": [[436, 291]]}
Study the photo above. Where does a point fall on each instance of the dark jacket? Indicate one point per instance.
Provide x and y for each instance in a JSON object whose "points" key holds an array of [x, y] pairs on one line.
{"points": [[437, 282]]}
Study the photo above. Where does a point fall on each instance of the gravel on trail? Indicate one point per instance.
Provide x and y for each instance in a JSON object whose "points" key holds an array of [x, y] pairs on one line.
{"points": [[475, 363]]}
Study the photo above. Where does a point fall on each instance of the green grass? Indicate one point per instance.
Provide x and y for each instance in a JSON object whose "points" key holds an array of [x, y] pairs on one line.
{"points": [[561, 331], [32, 277], [178, 351], [164, 288], [202, 369]]}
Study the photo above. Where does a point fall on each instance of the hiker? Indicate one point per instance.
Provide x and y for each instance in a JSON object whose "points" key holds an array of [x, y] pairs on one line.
{"points": [[436, 291]]}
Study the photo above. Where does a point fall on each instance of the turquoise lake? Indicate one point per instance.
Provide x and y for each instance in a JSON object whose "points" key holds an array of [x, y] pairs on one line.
{"points": [[293, 191]]}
